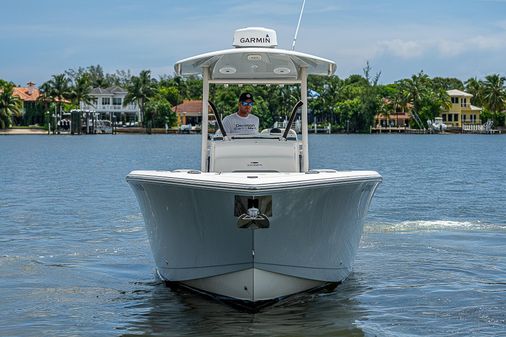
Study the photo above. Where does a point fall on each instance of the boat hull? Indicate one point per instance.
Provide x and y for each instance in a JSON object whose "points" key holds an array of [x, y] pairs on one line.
{"points": [[314, 230]]}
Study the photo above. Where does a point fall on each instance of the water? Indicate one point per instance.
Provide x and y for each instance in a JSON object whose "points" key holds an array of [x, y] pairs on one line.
{"points": [[75, 259]]}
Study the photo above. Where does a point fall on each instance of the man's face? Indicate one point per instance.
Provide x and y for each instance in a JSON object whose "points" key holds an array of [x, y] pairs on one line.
{"points": [[245, 107]]}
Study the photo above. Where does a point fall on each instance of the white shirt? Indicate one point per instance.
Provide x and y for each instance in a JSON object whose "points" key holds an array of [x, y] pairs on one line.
{"points": [[237, 125]]}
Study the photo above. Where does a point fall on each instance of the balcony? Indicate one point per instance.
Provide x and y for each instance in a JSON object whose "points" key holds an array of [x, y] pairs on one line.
{"points": [[111, 108]]}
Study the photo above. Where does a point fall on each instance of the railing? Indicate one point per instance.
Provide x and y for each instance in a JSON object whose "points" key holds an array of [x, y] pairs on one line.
{"points": [[477, 127], [100, 107]]}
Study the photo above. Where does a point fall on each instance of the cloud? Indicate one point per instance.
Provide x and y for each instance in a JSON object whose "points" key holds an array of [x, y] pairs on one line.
{"points": [[447, 47], [450, 48], [479, 43], [403, 49]]}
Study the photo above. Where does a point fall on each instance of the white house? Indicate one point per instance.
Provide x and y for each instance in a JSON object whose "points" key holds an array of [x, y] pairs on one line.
{"points": [[109, 102]]}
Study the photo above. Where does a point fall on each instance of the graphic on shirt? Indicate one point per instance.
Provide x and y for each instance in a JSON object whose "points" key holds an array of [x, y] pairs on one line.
{"points": [[235, 124]]}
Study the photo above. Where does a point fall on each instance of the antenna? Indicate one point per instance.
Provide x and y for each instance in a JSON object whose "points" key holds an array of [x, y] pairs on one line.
{"points": [[298, 24]]}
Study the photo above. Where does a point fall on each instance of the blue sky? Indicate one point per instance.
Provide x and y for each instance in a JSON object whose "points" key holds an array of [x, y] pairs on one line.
{"points": [[451, 38]]}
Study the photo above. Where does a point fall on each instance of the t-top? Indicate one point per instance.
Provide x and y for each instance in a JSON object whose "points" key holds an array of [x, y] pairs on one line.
{"points": [[235, 124]]}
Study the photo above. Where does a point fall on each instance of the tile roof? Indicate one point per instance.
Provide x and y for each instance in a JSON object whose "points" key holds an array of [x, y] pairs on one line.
{"points": [[26, 94], [190, 107]]}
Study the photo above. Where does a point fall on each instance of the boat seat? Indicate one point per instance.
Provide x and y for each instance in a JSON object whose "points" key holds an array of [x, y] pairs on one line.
{"points": [[254, 155]]}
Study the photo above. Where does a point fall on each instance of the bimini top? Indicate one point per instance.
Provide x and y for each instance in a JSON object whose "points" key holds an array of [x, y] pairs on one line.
{"points": [[255, 58]]}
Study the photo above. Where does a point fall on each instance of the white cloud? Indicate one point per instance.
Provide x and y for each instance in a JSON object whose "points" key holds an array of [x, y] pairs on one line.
{"points": [[488, 42], [450, 48], [447, 47], [401, 48]]}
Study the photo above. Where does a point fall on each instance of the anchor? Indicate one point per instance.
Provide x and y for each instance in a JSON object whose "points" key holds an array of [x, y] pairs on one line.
{"points": [[249, 212]]}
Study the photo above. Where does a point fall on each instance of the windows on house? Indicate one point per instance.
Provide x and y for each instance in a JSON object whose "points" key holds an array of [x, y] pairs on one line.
{"points": [[455, 100], [463, 102], [116, 101], [106, 100]]}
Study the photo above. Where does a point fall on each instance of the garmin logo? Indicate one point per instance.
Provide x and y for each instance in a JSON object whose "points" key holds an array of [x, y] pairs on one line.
{"points": [[265, 39], [255, 37]]}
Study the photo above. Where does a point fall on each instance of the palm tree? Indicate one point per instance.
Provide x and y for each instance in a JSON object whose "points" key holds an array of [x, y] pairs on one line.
{"points": [[416, 88], [80, 91], [475, 88], [9, 105], [59, 90], [140, 90], [399, 100], [494, 92]]}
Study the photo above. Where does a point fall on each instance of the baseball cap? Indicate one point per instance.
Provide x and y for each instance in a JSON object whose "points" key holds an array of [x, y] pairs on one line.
{"points": [[245, 96]]}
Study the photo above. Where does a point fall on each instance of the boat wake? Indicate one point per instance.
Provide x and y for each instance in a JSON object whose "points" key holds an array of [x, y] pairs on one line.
{"points": [[433, 225]]}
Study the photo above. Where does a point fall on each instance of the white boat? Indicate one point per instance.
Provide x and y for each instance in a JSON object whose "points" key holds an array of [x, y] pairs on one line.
{"points": [[255, 223], [436, 125]]}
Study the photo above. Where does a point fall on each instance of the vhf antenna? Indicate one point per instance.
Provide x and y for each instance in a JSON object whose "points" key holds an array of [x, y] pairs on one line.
{"points": [[298, 24]]}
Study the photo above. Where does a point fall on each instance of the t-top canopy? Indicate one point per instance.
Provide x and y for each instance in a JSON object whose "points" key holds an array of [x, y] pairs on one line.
{"points": [[255, 63]]}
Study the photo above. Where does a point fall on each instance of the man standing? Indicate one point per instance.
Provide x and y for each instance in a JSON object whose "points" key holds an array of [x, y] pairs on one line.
{"points": [[242, 122]]}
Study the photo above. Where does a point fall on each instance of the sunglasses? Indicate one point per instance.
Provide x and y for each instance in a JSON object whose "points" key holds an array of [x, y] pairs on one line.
{"points": [[247, 103]]}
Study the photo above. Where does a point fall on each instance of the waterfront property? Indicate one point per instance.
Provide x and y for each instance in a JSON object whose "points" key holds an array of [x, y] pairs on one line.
{"points": [[189, 114], [108, 102], [30, 109], [399, 118], [396, 121], [461, 114]]}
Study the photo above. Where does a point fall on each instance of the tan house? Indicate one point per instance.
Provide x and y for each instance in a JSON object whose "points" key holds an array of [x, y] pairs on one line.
{"points": [[398, 119], [189, 112], [461, 112]]}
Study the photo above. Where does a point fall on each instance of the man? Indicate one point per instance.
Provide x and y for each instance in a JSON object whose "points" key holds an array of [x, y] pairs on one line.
{"points": [[242, 122]]}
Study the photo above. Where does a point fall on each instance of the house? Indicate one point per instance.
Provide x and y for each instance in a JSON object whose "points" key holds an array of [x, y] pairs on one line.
{"points": [[461, 112], [31, 110], [30, 93], [109, 102], [189, 112], [397, 119]]}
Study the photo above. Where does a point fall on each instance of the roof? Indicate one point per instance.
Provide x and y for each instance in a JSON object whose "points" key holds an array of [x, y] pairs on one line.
{"points": [[191, 108], [28, 94], [266, 64], [108, 91], [455, 92], [475, 108]]}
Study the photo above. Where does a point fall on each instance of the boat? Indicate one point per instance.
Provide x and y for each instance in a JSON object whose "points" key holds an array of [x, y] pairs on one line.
{"points": [[436, 125], [255, 224]]}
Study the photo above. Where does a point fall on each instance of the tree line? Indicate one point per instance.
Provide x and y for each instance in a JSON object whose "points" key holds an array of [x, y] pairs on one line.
{"points": [[349, 103]]}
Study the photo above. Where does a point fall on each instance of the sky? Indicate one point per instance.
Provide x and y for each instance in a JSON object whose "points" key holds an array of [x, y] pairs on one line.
{"points": [[399, 38]]}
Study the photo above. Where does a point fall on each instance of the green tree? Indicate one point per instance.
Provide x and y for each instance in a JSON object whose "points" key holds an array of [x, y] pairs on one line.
{"points": [[158, 112], [447, 83], [370, 99], [80, 91], [416, 89], [347, 112], [140, 90], [58, 89], [475, 88], [494, 92], [9, 105], [170, 93]]}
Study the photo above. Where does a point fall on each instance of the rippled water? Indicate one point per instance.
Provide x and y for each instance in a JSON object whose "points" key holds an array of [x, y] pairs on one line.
{"points": [[75, 259]]}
